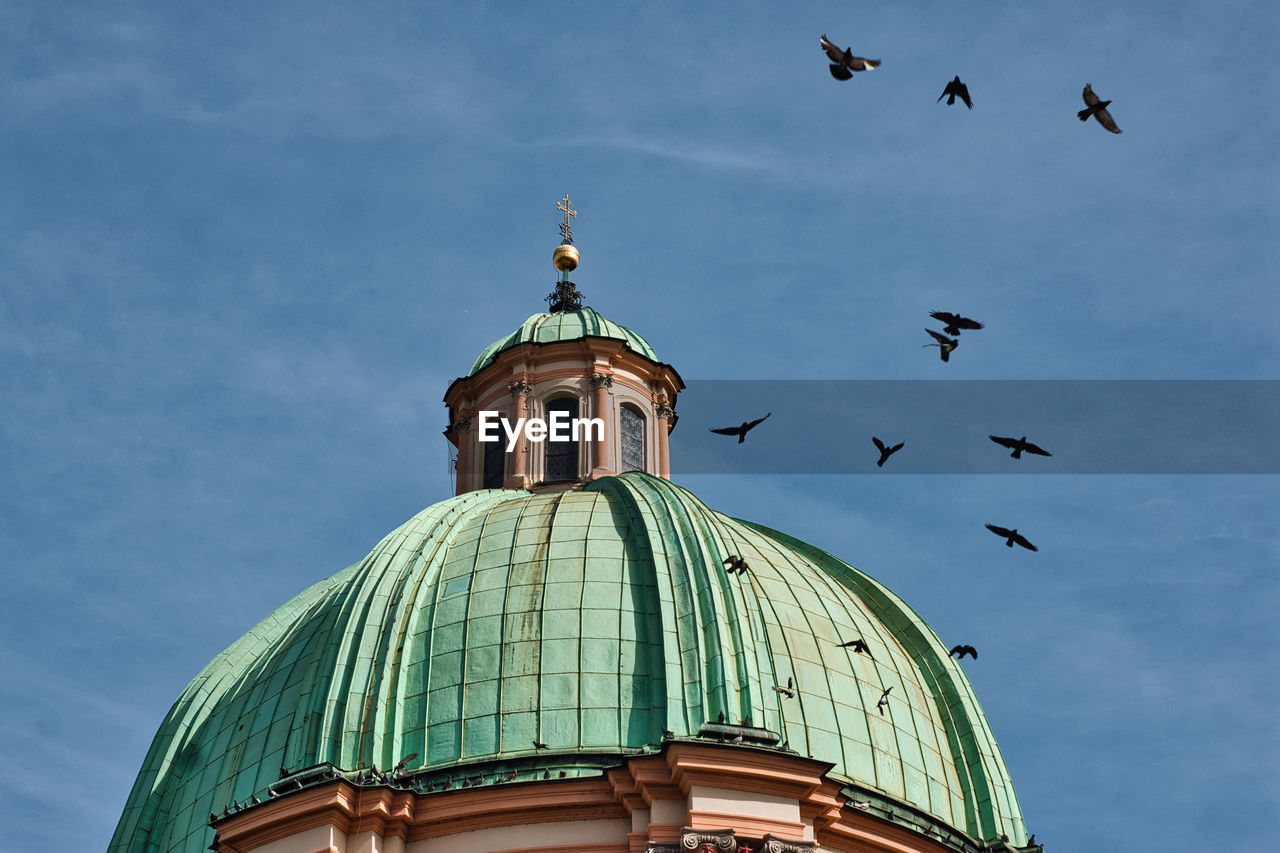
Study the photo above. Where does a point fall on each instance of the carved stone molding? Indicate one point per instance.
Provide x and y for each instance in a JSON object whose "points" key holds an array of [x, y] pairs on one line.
{"points": [[520, 388], [662, 410], [711, 842], [601, 380], [655, 847], [773, 844], [462, 424]]}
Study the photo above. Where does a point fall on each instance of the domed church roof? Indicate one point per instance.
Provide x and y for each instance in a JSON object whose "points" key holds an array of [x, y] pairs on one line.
{"points": [[588, 621], [564, 326]]}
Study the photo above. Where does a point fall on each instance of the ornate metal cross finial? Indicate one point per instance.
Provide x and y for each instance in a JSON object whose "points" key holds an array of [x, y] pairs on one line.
{"points": [[566, 231]]}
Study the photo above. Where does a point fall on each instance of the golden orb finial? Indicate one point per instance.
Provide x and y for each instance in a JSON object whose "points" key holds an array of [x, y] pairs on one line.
{"points": [[565, 257]]}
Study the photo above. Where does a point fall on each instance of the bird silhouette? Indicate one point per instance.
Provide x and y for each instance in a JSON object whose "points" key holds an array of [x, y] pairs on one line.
{"points": [[741, 431], [1098, 109], [884, 700], [1012, 536], [960, 651], [886, 452], [720, 717], [843, 62], [539, 745], [954, 322], [859, 645], [735, 564], [944, 344], [1018, 445], [956, 89], [788, 691], [399, 769], [667, 734]]}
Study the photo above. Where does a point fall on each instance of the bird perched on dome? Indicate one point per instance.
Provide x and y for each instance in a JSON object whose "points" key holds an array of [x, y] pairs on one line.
{"points": [[843, 62], [1097, 108], [956, 89]]}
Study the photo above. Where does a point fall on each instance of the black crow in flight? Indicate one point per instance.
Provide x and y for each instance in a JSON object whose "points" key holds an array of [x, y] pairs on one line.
{"points": [[1017, 445], [859, 645], [1012, 536], [960, 651], [956, 89], [886, 452], [884, 700], [735, 564], [741, 431], [954, 322]]}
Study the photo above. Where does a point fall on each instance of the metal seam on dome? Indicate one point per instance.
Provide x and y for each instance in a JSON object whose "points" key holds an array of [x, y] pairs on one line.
{"points": [[630, 494], [747, 648], [502, 621], [409, 620]]}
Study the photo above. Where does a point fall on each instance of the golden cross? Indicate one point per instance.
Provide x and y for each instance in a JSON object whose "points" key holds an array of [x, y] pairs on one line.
{"points": [[566, 233]]}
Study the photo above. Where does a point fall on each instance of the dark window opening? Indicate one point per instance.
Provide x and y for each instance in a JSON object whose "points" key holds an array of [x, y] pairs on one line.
{"points": [[562, 456], [632, 426]]}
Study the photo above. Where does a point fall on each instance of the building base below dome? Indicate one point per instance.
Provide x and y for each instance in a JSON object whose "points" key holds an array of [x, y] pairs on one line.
{"points": [[690, 797]]}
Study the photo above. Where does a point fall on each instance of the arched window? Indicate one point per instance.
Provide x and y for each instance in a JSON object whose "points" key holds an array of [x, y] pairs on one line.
{"points": [[632, 425], [495, 461], [562, 456]]}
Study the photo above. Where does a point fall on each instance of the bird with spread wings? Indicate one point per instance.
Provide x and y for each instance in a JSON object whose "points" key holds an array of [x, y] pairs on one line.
{"points": [[741, 430], [843, 62]]}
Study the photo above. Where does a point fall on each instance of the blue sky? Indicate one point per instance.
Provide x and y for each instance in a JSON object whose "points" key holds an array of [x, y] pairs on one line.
{"points": [[245, 249]]}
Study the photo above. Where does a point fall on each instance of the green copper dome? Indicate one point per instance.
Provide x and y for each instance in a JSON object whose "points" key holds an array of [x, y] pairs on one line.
{"points": [[588, 621], [564, 326]]}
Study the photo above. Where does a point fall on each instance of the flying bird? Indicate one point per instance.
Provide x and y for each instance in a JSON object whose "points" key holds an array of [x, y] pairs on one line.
{"points": [[741, 431], [1098, 109], [1012, 536], [886, 452], [1018, 445], [960, 651], [956, 89], [843, 62], [735, 563], [859, 645], [537, 744], [399, 769], [944, 344], [884, 700], [954, 322], [789, 691]]}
